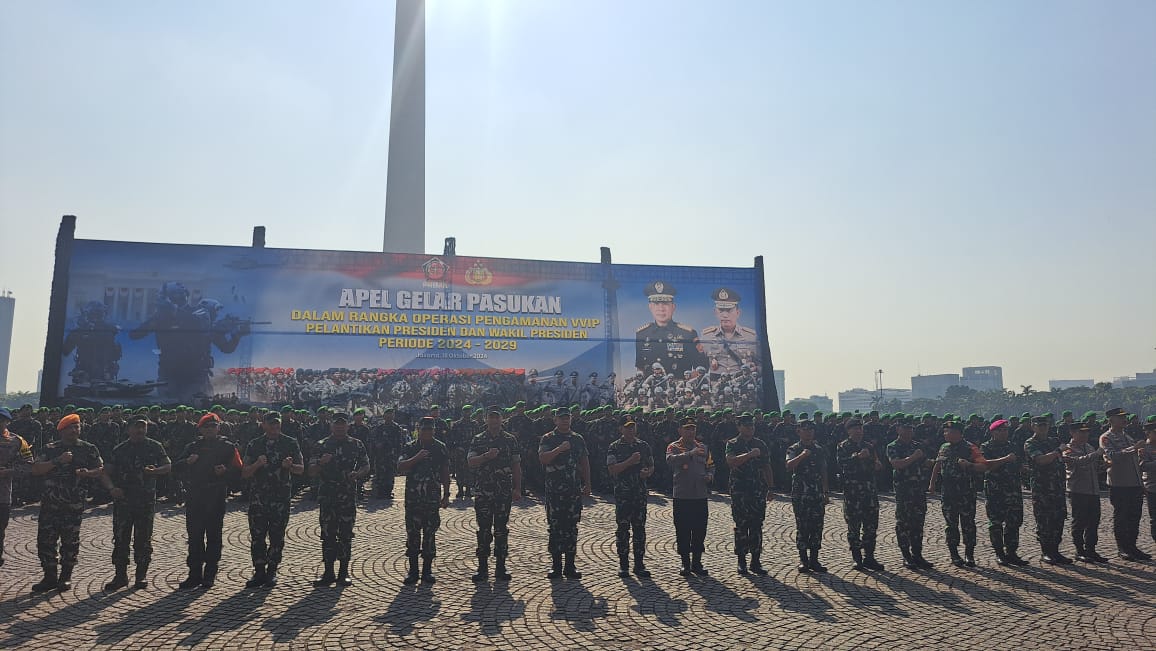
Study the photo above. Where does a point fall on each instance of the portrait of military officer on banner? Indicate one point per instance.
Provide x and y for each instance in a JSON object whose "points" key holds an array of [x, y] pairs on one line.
{"points": [[728, 345], [665, 341]]}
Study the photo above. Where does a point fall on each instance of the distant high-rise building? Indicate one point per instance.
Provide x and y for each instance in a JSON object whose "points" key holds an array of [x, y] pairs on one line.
{"points": [[7, 316], [1056, 385], [781, 386], [864, 400], [983, 378], [823, 403], [931, 387], [1141, 379]]}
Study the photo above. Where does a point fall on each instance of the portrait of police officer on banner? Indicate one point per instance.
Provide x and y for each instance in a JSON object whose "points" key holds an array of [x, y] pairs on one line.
{"points": [[728, 345], [665, 341]]}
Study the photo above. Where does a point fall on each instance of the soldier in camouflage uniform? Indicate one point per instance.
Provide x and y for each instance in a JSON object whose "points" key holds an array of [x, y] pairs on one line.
{"points": [[341, 463], [751, 480], [105, 435], [1005, 502], [387, 441], [1049, 505], [957, 462], [565, 461], [270, 463], [807, 463], [15, 462], [65, 465], [909, 462], [860, 465], [207, 465], [495, 461], [130, 480], [630, 462], [425, 463]]}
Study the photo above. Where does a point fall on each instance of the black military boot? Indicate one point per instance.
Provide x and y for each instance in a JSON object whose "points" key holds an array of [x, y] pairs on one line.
{"points": [[119, 580], [49, 582], [969, 556], [685, 571], [640, 567], [194, 580], [1094, 555], [500, 573], [908, 559], [270, 575], [857, 556], [757, 564], [869, 561], [917, 555], [259, 577], [624, 567], [483, 573], [813, 561], [570, 571], [555, 567], [210, 577], [956, 560], [427, 575], [142, 576], [1046, 555], [742, 559], [696, 564], [411, 577], [65, 583], [327, 577], [804, 562], [1058, 556], [343, 579]]}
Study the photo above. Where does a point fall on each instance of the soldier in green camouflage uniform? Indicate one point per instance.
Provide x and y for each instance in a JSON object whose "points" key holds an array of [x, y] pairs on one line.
{"points": [[565, 461], [630, 462], [1049, 506], [909, 463], [130, 480], [957, 462], [1004, 498], [271, 461], [66, 466], [341, 463], [749, 459], [425, 463], [807, 463], [495, 462], [387, 441], [859, 466]]}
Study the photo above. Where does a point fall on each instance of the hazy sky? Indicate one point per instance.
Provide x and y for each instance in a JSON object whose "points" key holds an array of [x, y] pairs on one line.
{"points": [[933, 184]]}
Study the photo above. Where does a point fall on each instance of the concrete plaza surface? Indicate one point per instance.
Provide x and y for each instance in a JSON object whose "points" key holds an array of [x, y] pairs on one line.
{"points": [[1109, 606]]}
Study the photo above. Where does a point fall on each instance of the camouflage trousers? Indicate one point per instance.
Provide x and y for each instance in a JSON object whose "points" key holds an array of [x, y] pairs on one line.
{"points": [[461, 469], [132, 523], [861, 513], [422, 521], [1050, 510], [809, 512], [384, 473], [337, 518], [5, 513], [493, 517], [58, 525], [267, 524], [959, 514], [630, 517], [749, 511], [1005, 516], [204, 520], [563, 512], [910, 513]]}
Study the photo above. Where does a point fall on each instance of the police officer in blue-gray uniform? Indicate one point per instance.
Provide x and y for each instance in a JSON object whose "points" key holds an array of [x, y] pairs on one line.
{"points": [[665, 341]]}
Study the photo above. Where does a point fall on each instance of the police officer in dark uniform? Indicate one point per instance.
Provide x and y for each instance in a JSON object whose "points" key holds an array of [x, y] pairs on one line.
{"points": [[130, 480], [341, 463], [425, 462], [750, 487], [630, 462], [206, 464], [270, 462], [65, 465], [495, 460], [664, 341]]}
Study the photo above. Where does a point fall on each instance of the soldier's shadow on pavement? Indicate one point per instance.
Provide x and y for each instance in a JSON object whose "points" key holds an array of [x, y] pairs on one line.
{"points": [[651, 599], [411, 605], [1071, 597], [166, 610], [982, 593], [316, 607], [491, 605], [227, 615], [1143, 586], [575, 604], [65, 617], [865, 597], [923, 594], [793, 599], [721, 599]]}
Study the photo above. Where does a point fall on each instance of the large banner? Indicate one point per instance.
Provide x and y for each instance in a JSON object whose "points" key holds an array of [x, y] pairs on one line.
{"points": [[163, 323]]}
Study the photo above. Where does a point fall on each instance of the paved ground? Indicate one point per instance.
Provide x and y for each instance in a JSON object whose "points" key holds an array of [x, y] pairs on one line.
{"points": [[1097, 607]]}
